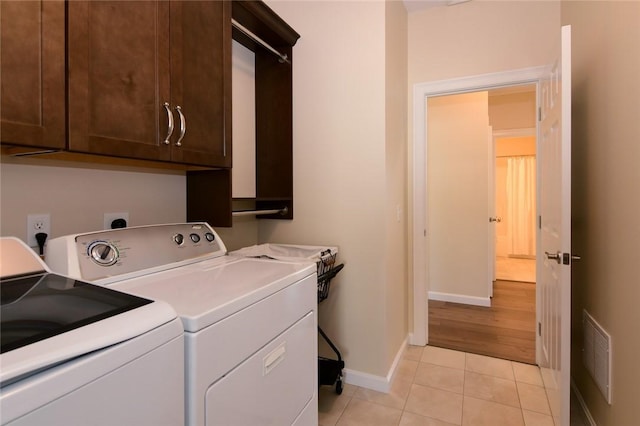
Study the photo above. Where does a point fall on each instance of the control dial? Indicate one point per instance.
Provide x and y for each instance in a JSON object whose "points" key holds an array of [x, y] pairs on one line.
{"points": [[103, 253]]}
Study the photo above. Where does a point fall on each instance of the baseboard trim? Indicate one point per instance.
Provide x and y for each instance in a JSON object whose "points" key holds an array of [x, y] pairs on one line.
{"points": [[373, 382], [413, 340], [583, 404], [458, 298]]}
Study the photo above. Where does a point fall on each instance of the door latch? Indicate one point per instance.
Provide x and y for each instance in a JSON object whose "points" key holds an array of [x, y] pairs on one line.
{"points": [[564, 258], [568, 259], [554, 256]]}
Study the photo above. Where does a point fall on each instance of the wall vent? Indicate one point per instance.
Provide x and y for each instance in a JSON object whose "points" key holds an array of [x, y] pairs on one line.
{"points": [[596, 354]]}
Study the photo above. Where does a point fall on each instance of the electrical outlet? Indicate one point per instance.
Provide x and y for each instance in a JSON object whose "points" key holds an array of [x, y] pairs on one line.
{"points": [[110, 217], [37, 223]]}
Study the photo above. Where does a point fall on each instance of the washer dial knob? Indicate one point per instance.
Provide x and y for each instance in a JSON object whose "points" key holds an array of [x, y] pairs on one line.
{"points": [[103, 253]]}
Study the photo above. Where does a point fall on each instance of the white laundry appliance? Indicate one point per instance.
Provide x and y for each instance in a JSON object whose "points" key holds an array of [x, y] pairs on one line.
{"points": [[74, 353], [330, 370], [249, 324]]}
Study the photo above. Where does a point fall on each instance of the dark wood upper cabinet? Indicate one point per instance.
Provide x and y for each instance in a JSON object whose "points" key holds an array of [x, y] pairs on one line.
{"points": [[201, 80], [32, 74], [151, 80]]}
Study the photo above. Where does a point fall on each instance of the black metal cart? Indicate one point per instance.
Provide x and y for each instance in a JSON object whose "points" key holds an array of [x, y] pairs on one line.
{"points": [[329, 370]]}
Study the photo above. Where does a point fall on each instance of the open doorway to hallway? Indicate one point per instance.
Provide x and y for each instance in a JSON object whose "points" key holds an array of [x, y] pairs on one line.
{"points": [[515, 204], [505, 327]]}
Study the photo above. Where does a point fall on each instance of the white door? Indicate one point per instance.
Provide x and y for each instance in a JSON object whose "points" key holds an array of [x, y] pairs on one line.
{"points": [[554, 256]]}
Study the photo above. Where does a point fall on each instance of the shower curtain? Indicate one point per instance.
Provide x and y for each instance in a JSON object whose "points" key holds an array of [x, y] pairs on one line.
{"points": [[521, 205]]}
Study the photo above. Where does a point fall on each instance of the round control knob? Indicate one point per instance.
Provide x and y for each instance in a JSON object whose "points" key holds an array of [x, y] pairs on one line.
{"points": [[178, 239], [195, 238], [209, 236], [103, 253]]}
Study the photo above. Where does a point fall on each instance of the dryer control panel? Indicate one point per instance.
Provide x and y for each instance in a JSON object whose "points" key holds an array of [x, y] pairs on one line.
{"points": [[116, 254]]}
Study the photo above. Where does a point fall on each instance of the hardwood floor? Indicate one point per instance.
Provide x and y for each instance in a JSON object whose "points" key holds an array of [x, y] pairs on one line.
{"points": [[504, 330]]}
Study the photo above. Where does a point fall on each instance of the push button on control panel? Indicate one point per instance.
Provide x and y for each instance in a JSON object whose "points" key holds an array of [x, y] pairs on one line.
{"points": [[195, 238], [209, 236], [178, 239]]}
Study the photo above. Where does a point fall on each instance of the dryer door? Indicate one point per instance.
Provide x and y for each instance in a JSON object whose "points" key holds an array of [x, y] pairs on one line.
{"points": [[273, 386]]}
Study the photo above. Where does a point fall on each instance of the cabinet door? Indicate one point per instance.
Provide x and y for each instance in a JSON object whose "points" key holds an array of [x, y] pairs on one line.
{"points": [[118, 59], [201, 81], [32, 69]]}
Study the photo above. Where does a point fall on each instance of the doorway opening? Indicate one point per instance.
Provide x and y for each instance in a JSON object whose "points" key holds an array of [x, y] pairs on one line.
{"points": [[515, 204], [472, 178], [422, 251]]}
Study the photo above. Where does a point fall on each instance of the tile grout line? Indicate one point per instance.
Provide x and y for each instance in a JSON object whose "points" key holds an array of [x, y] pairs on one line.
{"points": [[413, 378], [346, 405], [515, 382], [464, 380]]}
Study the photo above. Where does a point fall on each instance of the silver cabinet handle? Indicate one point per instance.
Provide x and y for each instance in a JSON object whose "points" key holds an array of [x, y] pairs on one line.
{"points": [[170, 127], [495, 219], [183, 126]]}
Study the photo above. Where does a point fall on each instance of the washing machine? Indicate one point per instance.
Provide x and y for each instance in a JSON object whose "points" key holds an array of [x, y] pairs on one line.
{"points": [[73, 353], [249, 324]]}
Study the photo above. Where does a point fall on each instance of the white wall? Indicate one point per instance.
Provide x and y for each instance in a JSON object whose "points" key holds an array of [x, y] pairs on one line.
{"points": [[458, 202], [513, 111], [342, 190], [396, 288], [77, 196], [480, 37]]}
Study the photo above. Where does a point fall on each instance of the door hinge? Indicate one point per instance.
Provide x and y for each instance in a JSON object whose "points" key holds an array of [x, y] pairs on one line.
{"points": [[539, 114], [539, 329], [539, 222]]}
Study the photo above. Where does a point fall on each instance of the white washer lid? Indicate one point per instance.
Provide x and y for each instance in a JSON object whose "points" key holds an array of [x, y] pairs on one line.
{"points": [[16, 258], [206, 292], [46, 353]]}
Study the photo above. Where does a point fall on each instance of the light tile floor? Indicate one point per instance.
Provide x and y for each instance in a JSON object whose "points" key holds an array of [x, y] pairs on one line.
{"points": [[441, 387]]}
